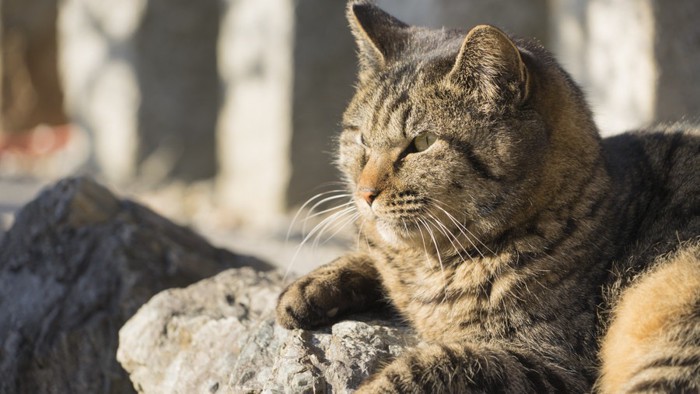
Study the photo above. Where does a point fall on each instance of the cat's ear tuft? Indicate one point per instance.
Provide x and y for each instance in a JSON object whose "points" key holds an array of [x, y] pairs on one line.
{"points": [[380, 37], [490, 63]]}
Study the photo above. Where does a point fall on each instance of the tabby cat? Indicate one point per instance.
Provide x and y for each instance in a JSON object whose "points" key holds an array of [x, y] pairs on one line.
{"points": [[529, 255]]}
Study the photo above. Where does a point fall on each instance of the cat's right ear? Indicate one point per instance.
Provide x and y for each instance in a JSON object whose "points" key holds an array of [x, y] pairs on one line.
{"points": [[490, 64], [380, 37]]}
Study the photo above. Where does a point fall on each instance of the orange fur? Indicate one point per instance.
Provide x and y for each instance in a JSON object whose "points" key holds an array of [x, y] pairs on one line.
{"points": [[660, 299]]}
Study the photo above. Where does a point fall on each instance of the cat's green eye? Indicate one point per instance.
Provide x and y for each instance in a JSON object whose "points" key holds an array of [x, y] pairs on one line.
{"points": [[423, 141]]}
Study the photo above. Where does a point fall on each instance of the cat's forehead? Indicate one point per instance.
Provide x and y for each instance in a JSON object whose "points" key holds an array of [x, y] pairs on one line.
{"points": [[403, 100], [386, 108], [420, 67]]}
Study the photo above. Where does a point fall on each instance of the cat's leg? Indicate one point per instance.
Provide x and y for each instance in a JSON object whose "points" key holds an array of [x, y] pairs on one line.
{"points": [[653, 343], [349, 284], [476, 368]]}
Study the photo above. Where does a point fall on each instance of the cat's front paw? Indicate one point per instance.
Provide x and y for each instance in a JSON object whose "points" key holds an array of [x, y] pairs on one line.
{"points": [[348, 284], [309, 302]]}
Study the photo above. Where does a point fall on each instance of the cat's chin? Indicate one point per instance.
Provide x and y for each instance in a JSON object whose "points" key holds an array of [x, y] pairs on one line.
{"points": [[394, 235], [389, 235]]}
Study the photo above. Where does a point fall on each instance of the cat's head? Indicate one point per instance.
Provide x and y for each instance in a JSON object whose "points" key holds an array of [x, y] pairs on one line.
{"points": [[454, 132]]}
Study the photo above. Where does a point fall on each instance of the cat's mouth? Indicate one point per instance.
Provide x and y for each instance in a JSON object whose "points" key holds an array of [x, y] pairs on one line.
{"points": [[406, 218], [426, 227], [402, 226], [396, 223]]}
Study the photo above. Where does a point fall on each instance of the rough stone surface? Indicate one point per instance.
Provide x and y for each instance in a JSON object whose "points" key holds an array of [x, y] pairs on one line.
{"points": [[76, 264], [219, 335]]}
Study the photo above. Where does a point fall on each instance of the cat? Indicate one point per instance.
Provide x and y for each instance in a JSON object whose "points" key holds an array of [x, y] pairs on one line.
{"points": [[528, 254]]}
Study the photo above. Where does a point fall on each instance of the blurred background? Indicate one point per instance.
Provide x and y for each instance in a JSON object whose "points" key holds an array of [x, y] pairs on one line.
{"points": [[221, 114]]}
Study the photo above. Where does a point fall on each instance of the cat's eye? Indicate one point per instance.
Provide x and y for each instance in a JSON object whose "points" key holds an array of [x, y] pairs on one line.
{"points": [[424, 141]]}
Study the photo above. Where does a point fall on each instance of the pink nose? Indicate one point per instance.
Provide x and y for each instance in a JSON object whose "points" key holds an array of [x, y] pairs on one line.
{"points": [[368, 194]]}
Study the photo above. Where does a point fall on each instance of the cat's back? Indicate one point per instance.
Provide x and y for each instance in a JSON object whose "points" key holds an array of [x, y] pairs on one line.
{"points": [[656, 178]]}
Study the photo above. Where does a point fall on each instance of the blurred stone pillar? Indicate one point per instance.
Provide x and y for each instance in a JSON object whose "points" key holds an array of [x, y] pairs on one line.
{"points": [[677, 56], [102, 95], [620, 63], [288, 68], [141, 77], [255, 131], [31, 93], [636, 59], [569, 37]]}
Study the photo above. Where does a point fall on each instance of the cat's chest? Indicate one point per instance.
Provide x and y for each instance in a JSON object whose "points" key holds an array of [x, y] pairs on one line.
{"points": [[444, 301]]}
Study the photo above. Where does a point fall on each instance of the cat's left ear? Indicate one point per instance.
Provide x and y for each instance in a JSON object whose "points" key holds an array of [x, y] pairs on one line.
{"points": [[491, 65], [380, 37]]}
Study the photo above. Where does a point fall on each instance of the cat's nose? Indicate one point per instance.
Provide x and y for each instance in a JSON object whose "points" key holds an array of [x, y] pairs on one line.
{"points": [[368, 194]]}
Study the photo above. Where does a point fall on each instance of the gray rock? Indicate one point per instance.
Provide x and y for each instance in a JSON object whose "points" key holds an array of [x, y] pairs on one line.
{"points": [[219, 335], [76, 264]]}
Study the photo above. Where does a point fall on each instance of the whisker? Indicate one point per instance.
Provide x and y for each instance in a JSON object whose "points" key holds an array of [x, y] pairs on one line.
{"points": [[437, 252], [307, 202], [325, 200], [420, 231], [405, 227], [325, 222], [463, 229], [432, 237], [359, 234], [336, 217], [450, 237], [321, 202], [309, 217], [351, 218], [469, 237]]}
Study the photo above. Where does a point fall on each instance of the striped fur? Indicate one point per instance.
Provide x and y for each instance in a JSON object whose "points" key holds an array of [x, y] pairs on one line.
{"points": [[529, 254]]}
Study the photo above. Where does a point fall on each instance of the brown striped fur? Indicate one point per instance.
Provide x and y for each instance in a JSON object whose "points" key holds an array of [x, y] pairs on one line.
{"points": [[519, 241]]}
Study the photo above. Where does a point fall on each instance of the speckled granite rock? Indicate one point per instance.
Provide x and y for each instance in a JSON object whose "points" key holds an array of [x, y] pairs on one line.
{"points": [[219, 335]]}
